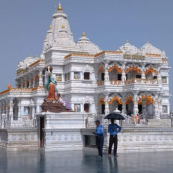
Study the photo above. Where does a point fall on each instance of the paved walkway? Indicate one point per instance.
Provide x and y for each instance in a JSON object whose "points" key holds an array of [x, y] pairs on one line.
{"points": [[84, 162]]}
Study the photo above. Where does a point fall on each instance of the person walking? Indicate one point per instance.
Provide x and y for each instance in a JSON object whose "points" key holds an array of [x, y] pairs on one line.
{"points": [[113, 129], [99, 137]]}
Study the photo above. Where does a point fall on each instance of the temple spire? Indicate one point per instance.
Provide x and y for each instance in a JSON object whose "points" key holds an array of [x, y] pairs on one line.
{"points": [[127, 41], [59, 7], [84, 35]]}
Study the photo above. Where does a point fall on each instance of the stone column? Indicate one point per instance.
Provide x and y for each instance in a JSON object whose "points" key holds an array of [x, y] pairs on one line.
{"points": [[30, 84], [11, 107], [21, 84], [143, 72], [106, 81], [123, 77], [156, 110], [135, 109], [159, 79], [19, 107], [82, 107], [71, 75], [124, 107], [106, 104], [38, 109], [33, 111], [25, 83], [40, 79], [33, 83]]}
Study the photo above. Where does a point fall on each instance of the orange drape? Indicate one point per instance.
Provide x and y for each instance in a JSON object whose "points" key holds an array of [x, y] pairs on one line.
{"points": [[133, 68], [117, 99], [151, 70], [115, 67]]}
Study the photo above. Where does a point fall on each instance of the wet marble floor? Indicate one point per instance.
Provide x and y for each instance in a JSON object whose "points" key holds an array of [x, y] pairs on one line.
{"points": [[84, 162]]}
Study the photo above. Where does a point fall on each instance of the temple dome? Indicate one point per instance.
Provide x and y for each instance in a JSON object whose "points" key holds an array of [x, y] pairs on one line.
{"points": [[26, 62], [59, 34], [148, 48], [128, 48], [87, 46]]}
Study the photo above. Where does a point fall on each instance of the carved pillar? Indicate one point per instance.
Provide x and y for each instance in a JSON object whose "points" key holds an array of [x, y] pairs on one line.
{"points": [[106, 81], [22, 83], [71, 75], [159, 79], [135, 109], [25, 80], [40, 79], [82, 107], [33, 84], [19, 107], [106, 104], [156, 108], [38, 109], [33, 111], [123, 78], [30, 83], [11, 107], [143, 72]]}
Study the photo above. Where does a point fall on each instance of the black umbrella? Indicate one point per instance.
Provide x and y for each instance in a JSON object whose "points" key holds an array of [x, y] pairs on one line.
{"points": [[115, 116]]}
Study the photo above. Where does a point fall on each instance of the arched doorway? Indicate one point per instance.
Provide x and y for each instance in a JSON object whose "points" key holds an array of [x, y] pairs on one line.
{"points": [[147, 104], [129, 105]]}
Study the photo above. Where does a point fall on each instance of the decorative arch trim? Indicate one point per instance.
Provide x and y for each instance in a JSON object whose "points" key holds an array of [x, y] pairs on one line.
{"points": [[115, 98], [101, 101], [129, 99], [148, 100], [116, 67], [151, 70], [133, 67]]}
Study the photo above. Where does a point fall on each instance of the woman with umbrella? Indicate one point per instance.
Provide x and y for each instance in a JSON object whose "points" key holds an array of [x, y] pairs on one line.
{"points": [[113, 129]]}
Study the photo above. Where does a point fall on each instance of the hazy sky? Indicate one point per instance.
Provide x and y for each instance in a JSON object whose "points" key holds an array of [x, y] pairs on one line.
{"points": [[107, 23]]}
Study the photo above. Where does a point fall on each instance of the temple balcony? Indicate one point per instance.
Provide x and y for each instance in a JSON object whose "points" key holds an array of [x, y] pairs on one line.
{"points": [[130, 84]]}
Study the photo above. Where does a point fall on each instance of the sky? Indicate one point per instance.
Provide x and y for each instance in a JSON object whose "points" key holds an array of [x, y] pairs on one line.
{"points": [[107, 23]]}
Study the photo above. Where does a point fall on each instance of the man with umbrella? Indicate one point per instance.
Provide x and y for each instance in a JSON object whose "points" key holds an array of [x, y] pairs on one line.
{"points": [[113, 129]]}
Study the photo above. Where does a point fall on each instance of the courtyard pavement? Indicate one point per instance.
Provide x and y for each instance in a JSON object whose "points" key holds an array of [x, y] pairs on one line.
{"points": [[84, 162]]}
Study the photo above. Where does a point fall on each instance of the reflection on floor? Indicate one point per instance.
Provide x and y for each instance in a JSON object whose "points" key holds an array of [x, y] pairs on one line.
{"points": [[84, 162]]}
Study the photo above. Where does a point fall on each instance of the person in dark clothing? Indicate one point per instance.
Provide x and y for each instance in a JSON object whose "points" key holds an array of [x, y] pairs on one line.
{"points": [[113, 129], [99, 137]]}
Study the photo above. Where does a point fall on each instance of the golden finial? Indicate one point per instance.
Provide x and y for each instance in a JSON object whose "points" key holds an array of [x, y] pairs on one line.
{"points": [[50, 27], [147, 41], [46, 37], [59, 7], [63, 26], [127, 41], [36, 56], [84, 35]]}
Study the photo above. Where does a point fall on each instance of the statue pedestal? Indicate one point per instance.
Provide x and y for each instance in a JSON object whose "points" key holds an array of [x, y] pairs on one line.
{"points": [[61, 131]]}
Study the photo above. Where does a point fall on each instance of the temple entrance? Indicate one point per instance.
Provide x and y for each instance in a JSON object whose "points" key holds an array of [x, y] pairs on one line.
{"points": [[120, 107], [103, 108], [102, 76], [140, 108], [41, 132]]}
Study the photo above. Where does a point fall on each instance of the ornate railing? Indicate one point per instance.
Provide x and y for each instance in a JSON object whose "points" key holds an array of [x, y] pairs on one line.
{"points": [[115, 82], [17, 122], [141, 81]]}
